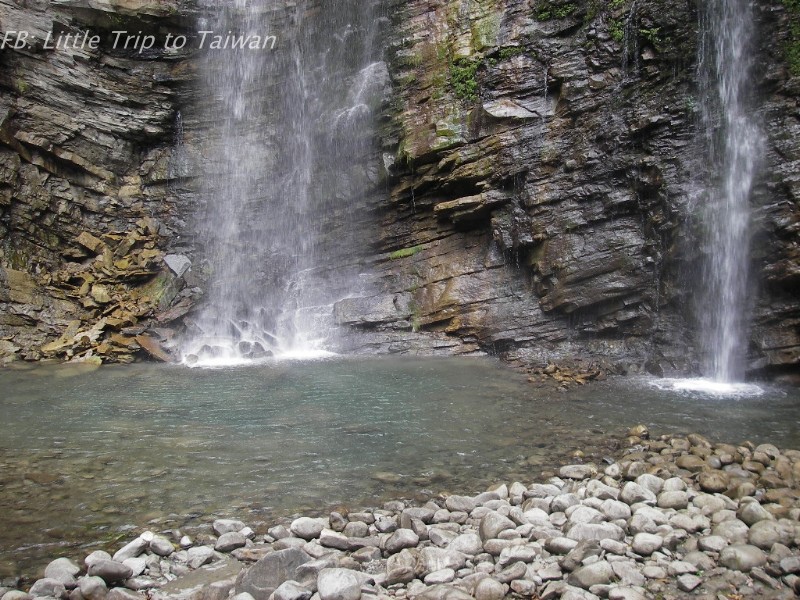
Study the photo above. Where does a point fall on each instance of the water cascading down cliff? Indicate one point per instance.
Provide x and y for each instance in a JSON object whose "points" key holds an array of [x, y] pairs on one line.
{"points": [[284, 170], [733, 142]]}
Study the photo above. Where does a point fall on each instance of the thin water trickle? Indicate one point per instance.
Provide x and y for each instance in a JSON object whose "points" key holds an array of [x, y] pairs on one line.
{"points": [[734, 143]]}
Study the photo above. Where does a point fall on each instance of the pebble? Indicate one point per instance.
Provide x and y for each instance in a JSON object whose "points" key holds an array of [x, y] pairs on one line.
{"points": [[658, 523]]}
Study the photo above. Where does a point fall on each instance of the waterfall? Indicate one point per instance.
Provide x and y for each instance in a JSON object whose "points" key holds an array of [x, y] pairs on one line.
{"points": [[733, 145], [290, 131]]}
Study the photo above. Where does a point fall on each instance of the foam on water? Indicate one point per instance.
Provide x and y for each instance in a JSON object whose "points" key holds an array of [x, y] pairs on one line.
{"points": [[709, 387]]}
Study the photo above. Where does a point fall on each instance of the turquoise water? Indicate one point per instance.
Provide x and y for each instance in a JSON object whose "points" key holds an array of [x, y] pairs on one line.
{"points": [[87, 455]]}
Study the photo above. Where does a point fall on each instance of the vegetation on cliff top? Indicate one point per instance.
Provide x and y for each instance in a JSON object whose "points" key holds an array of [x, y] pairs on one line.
{"points": [[793, 46]]}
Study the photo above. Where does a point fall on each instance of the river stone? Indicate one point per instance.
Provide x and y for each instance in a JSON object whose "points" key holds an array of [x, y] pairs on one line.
{"points": [[110, 571], [92, 588], [562, 502], [223, 526], [584, 514], [676, 500], [614, 509], [137, 565], [435, 559], [438, 577], [308, 528], [752, 512], [790, 565], [400, 567], [291, 590], [401, 539], [516, 571], [742, 557], [534, 516], [338, 584], [261, 579], [387, 524], [644, 544], [713, 481], [334, 539], [161, 546], [691, 463], [595, 531], [701, 560], [357, 529], [559, 545], [16, 595], [733, 530], [64, 570], [688, 582], [198, 556], [577, 471], [228, 542], [633, 493], [459, 504], [47, 587], [512, 554], [123, 594], [598, 489], [416, 512], [598, 573], [765, 534], [625, 593], [490, 589], [444, 592], [132, 549], [440, 537], [628, 573], [492, 524], [650, 482], [712, 543]]}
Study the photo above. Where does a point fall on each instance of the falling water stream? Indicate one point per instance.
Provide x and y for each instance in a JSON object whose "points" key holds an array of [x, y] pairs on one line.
{"points": [[733, 141], [277, 184]]}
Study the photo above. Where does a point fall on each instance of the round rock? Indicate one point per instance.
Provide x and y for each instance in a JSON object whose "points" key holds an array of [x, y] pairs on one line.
{"points": [[338, 584], [308, 528], [401, 539], [48, 587], [110, 571], [228, 542], [63, 570], [92, 588], [644, 544], [742, 557], [490, 589], [676, 500]]}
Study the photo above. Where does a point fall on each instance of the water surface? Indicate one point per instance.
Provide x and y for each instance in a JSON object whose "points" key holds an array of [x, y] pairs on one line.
{"points": [[86, 456]]}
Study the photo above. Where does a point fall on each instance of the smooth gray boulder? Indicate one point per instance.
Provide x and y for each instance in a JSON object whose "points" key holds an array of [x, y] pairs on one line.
{"points": [[63, 570], [742, 557], [110, 571], [308, 528], [47, 587], [267, 574], [338, 584], [291, 590]]}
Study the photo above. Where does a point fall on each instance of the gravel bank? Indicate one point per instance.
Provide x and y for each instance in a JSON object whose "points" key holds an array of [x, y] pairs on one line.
{"points": [[672, 517]]}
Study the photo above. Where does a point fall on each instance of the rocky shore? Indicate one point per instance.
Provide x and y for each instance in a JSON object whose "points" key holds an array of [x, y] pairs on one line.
{"points": [[670, 517]]}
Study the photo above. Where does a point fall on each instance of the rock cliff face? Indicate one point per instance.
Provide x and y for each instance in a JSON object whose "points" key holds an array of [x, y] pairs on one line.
{"points": [[548, 167], [531, 193]]}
